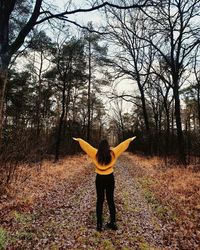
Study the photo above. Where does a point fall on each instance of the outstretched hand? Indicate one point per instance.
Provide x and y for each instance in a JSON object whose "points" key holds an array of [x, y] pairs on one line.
{"points": [[133, 138], [75, 139]]}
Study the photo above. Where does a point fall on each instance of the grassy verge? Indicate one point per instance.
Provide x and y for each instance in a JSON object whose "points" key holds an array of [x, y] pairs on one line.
{"points": [[174, 194], [31, 181]]}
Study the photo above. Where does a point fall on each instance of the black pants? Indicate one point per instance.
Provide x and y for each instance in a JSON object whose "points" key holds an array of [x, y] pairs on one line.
{"points": [[105, 184]]}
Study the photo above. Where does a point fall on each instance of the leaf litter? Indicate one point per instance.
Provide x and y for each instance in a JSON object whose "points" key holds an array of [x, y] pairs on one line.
{"points": [[63, 216]]}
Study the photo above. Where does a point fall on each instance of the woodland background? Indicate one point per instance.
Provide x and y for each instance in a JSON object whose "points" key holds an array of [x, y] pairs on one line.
{"points": [[59, 82], [132, 70]]}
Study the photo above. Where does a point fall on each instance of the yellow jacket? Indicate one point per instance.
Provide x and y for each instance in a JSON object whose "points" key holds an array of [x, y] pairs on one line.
{"points": [[91, 151]]}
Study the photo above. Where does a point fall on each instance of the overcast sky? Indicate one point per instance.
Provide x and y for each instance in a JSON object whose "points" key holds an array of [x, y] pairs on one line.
{"points": [[82, 18]]}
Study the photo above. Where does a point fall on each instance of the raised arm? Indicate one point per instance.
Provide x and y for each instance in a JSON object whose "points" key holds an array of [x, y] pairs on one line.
{"points": [[87, 148], [119, 149]]}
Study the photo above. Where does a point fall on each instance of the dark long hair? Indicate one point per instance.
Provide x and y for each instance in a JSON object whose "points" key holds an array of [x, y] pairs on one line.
{"points": [[104, 153]]}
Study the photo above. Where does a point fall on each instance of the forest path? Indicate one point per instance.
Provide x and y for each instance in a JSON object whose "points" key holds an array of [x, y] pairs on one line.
{"points": [[66, 219]]}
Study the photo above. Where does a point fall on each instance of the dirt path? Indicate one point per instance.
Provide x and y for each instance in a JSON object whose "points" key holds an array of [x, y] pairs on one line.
{"points": [[65, 219]]}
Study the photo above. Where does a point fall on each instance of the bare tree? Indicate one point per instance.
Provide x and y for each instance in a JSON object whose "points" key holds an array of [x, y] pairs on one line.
{"points": [[197, 82], [175, 37], [172, 31], [39, 12], [133, 57], [160, 93], [118, 117]]}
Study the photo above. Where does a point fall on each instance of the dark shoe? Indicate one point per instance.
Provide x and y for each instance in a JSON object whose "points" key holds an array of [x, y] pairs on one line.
{"points": [[99, 227], [112, 226]]}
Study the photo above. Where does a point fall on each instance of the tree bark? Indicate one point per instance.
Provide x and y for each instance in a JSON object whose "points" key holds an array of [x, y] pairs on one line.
{"points": [[181, 146]]}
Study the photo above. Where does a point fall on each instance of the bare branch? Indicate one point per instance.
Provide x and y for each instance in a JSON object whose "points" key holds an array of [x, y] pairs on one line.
{"points": [[51, 15], [26, 29], [83, 27]]}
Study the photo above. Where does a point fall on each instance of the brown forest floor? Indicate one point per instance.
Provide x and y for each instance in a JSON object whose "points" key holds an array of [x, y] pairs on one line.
{"points": [[54, 207]]}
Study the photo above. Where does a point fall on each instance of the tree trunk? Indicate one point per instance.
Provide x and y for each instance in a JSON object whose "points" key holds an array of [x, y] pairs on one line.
{"points": [[156, 137], [167, 131], [5, 10], [89, 92], [39, 98], [198, 102], [146, 121], [144, 110], [57, 150], [181, 146], [3, 81]]}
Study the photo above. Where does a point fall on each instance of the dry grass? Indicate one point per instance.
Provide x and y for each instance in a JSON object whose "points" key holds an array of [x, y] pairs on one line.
{"points": [[181, 184], [150, 165], [31, 181], [178, 189]]}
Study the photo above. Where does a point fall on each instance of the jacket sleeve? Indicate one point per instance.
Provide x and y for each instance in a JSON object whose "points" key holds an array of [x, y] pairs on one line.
{"points": [[87, 148], [118, 150]]}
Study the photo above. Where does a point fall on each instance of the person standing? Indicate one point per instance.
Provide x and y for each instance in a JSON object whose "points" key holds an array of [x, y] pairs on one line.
{"points": [[104, 159]]}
